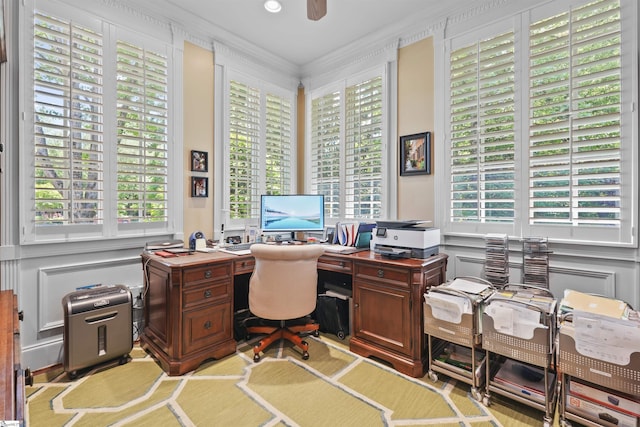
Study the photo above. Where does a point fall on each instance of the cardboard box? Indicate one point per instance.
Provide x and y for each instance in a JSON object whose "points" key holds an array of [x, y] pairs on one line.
{"points": [[604, 415], [574, 300], [605, 398]]}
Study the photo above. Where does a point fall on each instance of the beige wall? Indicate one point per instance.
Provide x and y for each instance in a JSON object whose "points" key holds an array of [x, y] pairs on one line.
{"points": [[415, 115], [300, 143], [198, 135]]}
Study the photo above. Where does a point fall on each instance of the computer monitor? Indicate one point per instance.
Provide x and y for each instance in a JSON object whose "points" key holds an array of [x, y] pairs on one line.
{"points": [[292, 213]]}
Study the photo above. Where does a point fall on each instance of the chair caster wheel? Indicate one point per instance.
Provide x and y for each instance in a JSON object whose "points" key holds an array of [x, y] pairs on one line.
{"points": [[341, 335], [316, 333], [256, 357], [305, 355]]}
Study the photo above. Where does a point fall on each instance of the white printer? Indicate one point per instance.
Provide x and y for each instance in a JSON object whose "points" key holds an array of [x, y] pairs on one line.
{"points": [[406, 239]]}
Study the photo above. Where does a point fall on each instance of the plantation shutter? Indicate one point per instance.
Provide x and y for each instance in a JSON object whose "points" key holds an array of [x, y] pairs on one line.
{"points": [[68, 123], [575, 117], [326, 151], [244, 150], [482, 119], [142, 127], [278, 147], [363, 149]]}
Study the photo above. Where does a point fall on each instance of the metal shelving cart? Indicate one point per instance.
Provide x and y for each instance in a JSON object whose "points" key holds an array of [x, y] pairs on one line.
{"points": [[609, 383], [462, 328], [534, 346]]}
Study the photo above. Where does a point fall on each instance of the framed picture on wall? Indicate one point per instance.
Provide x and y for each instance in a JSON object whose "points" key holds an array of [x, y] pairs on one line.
{"points": [[199, 186], [415, 154], [199, 162]]}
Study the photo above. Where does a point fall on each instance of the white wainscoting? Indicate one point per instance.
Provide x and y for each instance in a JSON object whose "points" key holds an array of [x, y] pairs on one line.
{"points": [[56, 282], [45, 281]]}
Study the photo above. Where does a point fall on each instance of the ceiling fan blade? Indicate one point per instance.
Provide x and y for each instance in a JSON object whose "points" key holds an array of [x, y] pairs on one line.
{"points": [[316, 9]]}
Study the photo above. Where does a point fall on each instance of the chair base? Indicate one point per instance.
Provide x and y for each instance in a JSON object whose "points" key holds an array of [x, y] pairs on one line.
{"points": [[291, 333]]}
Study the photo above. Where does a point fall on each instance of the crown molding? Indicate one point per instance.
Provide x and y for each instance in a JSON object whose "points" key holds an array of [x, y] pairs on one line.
{"points": [[197, 30], [230, 57], [205, 34], [406, 35]]}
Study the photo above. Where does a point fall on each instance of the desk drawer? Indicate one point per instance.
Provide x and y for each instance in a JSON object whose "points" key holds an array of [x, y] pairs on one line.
{"points": [[205, 327], [207, 294], [243, 266], [197, 275], [339, 264], [390, 275]]}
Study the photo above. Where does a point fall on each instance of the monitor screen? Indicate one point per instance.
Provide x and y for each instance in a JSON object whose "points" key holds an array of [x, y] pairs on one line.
{"points": [[293, 212]]}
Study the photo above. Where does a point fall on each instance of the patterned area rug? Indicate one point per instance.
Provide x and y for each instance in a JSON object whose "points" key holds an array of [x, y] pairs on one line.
{"points": [[333, 387]]}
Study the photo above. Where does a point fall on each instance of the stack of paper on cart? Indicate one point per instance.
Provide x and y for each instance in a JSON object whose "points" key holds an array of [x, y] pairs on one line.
{"points": [[602, 328]]}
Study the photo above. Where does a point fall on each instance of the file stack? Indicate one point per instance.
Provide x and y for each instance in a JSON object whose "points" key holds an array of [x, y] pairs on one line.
{"points": [[496, 265], [535, 256]]}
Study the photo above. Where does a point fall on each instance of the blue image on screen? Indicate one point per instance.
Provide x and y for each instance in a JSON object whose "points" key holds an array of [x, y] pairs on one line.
{"points": [[294, 212]]}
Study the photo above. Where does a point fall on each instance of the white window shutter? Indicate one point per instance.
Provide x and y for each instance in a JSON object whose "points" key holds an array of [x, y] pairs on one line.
{"points": [[142, 126], [482, 107], [244, 150], [326, 150], [278, 162], [363, 150], [575, 122], [68, 123]]}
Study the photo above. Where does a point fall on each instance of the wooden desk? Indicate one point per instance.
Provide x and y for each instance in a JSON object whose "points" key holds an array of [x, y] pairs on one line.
{"points": [[189, 306], [12, 380]]}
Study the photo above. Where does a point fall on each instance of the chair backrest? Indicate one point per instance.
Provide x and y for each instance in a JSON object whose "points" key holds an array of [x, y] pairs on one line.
{"points": [[284, 281]]}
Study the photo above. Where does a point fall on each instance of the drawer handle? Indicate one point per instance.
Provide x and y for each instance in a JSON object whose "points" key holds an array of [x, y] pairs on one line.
{"points": [[380, 273], [207, 324], [342, 264], [207, 274], [207, 293]]}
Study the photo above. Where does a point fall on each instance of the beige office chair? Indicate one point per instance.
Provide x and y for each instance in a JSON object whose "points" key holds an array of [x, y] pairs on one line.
{"points": [[283, 288]]}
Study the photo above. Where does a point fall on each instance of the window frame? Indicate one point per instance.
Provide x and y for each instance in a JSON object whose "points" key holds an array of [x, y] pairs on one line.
{"points": [[389, 183], [145, 35], [626, 236], [226, 71]]}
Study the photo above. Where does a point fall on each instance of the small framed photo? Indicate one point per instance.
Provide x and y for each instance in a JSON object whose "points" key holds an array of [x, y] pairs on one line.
{"points": [[199, 162], [199, 186], [415, 154]]}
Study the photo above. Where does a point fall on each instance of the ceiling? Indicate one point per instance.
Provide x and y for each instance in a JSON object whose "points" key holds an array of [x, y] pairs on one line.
{"points": [[289, 35]]}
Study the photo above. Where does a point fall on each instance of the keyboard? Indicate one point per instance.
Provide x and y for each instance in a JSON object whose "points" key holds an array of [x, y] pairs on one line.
{"points": [[207, 249], [237, 249], [340, 249], [238, 246]]}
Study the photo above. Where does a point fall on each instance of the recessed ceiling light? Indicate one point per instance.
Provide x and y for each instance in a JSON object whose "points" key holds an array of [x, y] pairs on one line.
{"points": [[272, 6]]}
